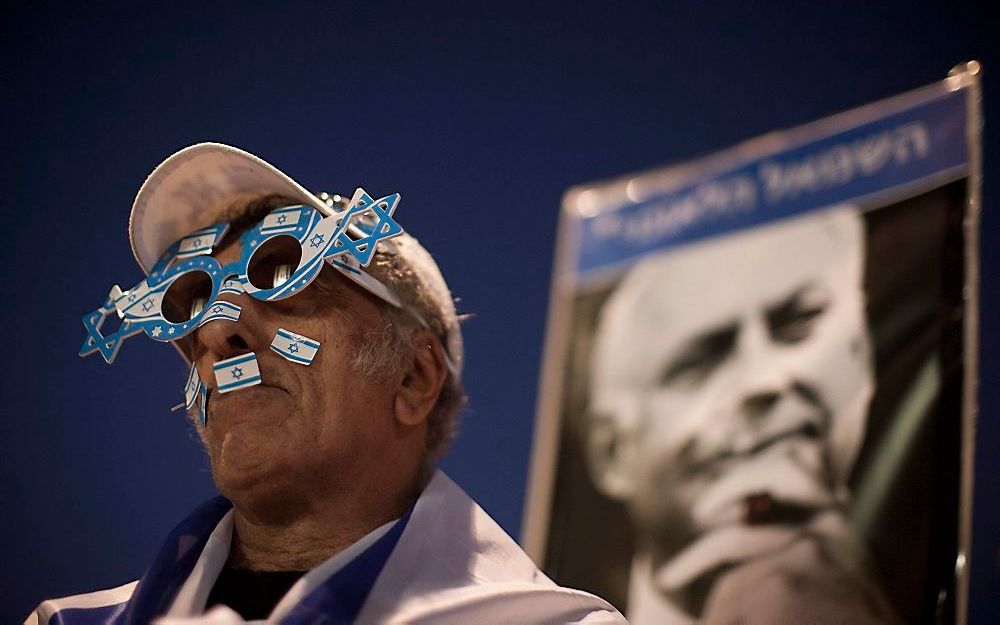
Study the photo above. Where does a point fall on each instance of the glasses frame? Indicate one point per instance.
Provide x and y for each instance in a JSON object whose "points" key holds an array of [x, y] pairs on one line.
{"points": [[346, 240]]}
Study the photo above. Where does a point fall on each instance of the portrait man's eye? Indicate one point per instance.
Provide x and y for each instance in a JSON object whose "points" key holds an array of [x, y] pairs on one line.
{"points": [[699, 357], [793, 320]]}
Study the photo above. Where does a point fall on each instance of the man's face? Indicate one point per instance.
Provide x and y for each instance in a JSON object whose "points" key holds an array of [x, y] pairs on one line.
{"points": [[304, 427], [733, 376]]}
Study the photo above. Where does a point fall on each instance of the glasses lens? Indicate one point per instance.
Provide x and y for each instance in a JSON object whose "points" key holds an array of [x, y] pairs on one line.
{"points": [[274, 261], [179, 302]]}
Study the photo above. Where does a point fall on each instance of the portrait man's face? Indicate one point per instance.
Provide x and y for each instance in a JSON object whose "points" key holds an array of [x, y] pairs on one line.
{"points": [[730, 380]]}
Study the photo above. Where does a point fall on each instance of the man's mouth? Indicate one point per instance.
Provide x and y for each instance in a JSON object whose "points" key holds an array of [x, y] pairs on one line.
{"points": [[213, 397], [755, 445], [780, 476]]}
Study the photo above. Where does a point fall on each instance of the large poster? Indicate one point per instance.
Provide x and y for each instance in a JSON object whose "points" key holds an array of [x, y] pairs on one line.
{"points": [[758, 387]]}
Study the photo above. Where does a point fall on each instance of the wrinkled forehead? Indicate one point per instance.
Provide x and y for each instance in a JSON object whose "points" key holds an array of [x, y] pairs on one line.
{"points": [[668, 298]]}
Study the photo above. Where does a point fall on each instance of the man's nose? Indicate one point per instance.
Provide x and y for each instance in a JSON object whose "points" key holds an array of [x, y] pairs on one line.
{"points": [[224, 339], [765, 374]]}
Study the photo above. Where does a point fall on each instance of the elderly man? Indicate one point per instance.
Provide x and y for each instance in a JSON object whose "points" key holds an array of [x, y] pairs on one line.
{"points": [[326, 359], [730, 384]]}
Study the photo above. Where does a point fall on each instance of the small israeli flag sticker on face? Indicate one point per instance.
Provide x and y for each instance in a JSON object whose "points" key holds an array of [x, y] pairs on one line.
{"points": [[237, 372], [203, 403], [191, 387], [221, 310], [295, 347]]}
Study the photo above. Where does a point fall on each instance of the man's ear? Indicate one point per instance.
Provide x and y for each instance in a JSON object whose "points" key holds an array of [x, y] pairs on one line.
{"points": [[426, 372]]}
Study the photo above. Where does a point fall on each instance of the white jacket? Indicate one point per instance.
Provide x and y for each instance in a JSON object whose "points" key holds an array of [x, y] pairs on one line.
{"points": [[445, 561]]}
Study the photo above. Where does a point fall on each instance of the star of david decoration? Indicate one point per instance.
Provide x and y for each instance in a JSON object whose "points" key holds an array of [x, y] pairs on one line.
{"points": [[384, 226], [217, 309], [146, 306], [294, 348], [96, 341], [237, 373], [317, 240], [282, 219]]}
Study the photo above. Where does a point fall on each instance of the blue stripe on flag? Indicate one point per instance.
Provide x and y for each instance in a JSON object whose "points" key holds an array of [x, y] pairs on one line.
{"points": [[298, 338], [225, 388], [235, 360], [285, 354]]}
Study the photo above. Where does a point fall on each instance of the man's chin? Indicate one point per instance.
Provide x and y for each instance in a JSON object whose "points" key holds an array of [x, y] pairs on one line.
{"points": [[248, 476]]}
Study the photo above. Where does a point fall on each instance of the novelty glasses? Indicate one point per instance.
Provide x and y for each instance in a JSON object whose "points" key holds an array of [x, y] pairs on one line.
{"points": [[281, 255]]}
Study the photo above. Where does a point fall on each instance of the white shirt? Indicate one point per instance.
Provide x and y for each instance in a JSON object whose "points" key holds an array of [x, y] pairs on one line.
{"points": [[452, 564]]}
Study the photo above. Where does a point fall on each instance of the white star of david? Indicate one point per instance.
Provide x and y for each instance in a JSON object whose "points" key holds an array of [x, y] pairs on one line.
{"points": [[157, 331]]}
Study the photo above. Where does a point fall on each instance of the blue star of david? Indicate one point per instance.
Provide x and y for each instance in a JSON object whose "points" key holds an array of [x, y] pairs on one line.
{"points": [[217, 309], [146, 306], [96, 341], [294, 348], [237, 373], [131, 297], [282, 219], [197, 242], [384, 228], [317, 240]]}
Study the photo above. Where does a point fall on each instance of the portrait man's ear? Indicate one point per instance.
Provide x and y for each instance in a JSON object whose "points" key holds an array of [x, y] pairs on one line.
{"points": [[611, 453]]}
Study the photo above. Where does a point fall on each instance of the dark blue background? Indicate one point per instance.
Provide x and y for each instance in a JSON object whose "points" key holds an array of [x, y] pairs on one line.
{"points": [[480, 115]]}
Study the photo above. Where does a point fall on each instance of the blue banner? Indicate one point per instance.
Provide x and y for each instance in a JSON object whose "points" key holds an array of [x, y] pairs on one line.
{"points": [[926, 140]]}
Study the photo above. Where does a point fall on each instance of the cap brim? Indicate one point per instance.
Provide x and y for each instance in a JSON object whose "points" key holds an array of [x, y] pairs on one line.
{"points": [[192, 189]]}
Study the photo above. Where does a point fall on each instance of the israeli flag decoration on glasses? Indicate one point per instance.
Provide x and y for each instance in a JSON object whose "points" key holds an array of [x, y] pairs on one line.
{"points": [[182, 289], [221, 310], [282, 220], [235, 373], [232, 286], [294, 347], [200, 242]]}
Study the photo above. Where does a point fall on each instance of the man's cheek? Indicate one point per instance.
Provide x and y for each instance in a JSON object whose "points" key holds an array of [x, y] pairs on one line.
{"points": [[686, 425], [835, 362]]}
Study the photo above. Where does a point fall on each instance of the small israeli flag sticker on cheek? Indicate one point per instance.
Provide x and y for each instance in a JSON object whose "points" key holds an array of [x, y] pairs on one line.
{"points": [[294, 347], [221, 310], [235, 373]]}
